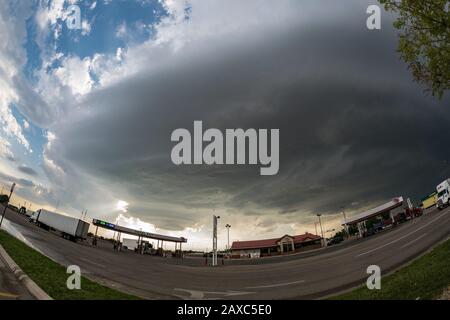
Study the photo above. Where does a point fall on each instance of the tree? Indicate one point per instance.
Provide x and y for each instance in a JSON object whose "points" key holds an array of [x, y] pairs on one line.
{"points": [[4, 198], [352, 229], [424, 42]]}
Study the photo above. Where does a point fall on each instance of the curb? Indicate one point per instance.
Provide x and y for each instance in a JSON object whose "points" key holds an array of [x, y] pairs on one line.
{"points": [[31, 286]]}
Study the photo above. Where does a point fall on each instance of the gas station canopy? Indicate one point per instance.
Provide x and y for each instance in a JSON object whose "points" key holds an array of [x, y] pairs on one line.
{"points": [[394, 203], [138, 233]]}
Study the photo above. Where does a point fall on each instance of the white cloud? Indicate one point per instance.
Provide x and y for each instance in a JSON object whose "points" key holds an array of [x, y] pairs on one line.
{"points": [[5, 151], [122, 206], [75, 74], [12, 58], [85, 28], [121, 31]]}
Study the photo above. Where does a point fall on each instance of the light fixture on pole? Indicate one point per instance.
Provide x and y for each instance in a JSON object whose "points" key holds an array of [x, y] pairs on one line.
{"points": [[7, 202]]}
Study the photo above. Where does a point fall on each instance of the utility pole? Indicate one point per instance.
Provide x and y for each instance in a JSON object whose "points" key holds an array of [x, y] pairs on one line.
{"points": [[315, 226], [321, 231], [345, 223], [228, 240], [7, 202], [214, 253]]}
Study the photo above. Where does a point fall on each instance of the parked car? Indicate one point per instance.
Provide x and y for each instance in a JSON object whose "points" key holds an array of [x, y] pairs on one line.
{"points": [[335, 240]]}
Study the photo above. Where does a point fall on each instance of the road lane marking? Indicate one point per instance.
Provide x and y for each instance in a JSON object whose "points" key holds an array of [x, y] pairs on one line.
{"points": [[402, 237], [8, 295], [92, 262], [411, 242], [276, 285], [198, 294]]}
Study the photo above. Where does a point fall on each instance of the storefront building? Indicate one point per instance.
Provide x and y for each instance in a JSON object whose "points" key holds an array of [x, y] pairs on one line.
{"points": [[277, 246]]}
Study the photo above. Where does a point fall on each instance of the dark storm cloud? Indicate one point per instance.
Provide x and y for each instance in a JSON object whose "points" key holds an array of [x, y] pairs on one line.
{"points": [[10, 179], [27, 170], [353, 126]]}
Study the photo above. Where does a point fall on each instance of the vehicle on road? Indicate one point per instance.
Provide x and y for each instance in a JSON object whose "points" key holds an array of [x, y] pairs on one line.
{"points": [[335, 240], [429, 201], [70, 228], [413, 212], [130, 244], [13, 208], [443, 190]]}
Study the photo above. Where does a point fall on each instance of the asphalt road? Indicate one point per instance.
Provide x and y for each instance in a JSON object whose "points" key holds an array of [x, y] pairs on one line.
{"points": [[303, 277]]}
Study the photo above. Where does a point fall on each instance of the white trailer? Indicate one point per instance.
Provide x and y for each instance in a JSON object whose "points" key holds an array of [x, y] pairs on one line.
{"points": [[130, 244], [70, 228], [443, 194]]}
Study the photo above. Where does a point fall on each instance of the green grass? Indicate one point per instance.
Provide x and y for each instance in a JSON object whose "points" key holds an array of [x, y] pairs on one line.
{"points": [[52, 277], [424, 278]]}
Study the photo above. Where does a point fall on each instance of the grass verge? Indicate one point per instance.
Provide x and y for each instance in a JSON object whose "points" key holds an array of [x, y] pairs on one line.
{"points": [[425, 278], [52, 277]]}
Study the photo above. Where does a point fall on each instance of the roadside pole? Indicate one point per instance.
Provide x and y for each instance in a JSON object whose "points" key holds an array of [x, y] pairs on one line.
{"points": [[7, 202], [345, 223], [321, 231], [228, 239], [214, 253]]}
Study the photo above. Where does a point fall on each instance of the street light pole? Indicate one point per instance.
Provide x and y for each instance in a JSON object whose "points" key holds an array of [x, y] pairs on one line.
{"points": [[345, 222], [228, 240], [321, 231], [214, 253], [7, 202]]}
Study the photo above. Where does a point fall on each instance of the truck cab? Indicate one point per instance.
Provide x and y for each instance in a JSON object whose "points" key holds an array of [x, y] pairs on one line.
{"points": [[33, 217], [443, 194]]}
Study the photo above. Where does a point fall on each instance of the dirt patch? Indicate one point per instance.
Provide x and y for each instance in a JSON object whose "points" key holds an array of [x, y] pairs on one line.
{"points": [[445, 295]]}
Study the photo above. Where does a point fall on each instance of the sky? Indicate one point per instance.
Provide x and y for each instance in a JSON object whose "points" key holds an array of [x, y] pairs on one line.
{"points": [[86, 114]]}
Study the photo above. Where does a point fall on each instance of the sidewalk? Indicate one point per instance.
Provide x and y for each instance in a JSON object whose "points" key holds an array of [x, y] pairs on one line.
{"points": [[10, 287]]}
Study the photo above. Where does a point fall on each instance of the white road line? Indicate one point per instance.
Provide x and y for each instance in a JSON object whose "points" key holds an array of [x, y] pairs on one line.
{"points": [[411, 242], [276, 285], [198, 294], [402, 237], [92, 262]]}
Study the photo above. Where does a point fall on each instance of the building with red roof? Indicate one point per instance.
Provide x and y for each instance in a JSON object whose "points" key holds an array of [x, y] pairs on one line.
{"points": [[276, 246]]}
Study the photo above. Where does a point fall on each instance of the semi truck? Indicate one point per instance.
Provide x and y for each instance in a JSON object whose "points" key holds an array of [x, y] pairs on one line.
{"points": [[133, 245], [443, 194], [70, 228], [130, 244]]}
